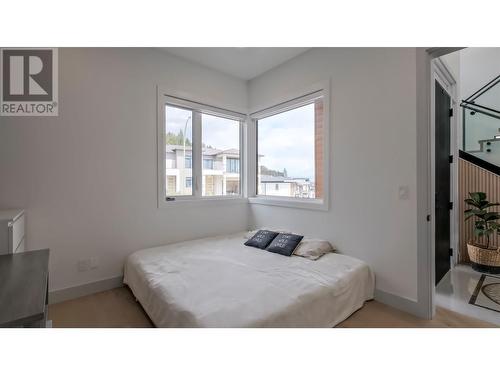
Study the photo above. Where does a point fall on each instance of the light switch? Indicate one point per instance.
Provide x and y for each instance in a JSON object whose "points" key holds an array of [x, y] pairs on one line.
{"points": [[404, 192]]}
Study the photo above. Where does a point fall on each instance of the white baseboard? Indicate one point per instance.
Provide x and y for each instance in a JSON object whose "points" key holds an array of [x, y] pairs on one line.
{"points": [[400, 303], [65, 294]]}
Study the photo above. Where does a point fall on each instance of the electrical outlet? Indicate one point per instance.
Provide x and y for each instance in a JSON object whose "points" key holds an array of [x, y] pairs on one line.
{"points": [[83, 265], [94, 263]]}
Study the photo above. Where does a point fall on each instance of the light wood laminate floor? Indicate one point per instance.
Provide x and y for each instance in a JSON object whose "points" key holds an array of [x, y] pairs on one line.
{"points": [[118, 308]]}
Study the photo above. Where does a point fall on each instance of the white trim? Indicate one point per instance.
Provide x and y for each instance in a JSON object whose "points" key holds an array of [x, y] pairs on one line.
{"points": [[161, 169], [288, 102], [243, 158], [401, 303], [251, 149], [305, 203], [291, 96], [445, 73], [203, 108], [196, 157], [424, 268], [60, 295], [204, 101], [288, 105], [208, 201]]}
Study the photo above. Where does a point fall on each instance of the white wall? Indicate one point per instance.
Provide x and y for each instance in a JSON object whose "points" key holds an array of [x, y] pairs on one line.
{"points": [[373, 152], [452, 62], [88, 177]]}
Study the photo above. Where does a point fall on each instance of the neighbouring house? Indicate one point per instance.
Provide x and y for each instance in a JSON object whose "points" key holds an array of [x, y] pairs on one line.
{"points": [[286, 186], [221, 171], [221, 175]]}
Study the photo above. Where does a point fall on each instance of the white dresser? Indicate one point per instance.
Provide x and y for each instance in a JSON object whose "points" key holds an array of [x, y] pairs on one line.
{"points": [[12, 229]]}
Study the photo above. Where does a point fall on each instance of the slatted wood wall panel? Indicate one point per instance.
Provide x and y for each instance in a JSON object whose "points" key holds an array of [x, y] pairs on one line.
{"points": [[473, 178]]}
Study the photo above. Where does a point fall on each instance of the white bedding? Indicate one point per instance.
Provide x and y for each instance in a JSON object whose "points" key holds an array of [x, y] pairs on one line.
{"points": [[219, 282]]}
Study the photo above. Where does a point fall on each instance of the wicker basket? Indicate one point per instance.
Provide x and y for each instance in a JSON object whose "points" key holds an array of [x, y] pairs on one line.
{"points": [[487, 259]]}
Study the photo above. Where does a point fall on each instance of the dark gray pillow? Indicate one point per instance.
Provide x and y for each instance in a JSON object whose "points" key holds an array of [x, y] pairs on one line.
{"points": [[261, 239], [284, 243]]}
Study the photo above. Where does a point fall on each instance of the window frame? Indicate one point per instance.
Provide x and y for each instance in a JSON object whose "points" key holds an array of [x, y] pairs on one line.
{"points": [[197, 108], [283, 104]]}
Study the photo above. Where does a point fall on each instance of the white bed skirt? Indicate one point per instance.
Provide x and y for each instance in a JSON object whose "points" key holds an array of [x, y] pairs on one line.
{"points": [[219, 282]]}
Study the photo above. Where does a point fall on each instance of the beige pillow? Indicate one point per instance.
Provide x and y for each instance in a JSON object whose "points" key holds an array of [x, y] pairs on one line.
{"points": [[313, 249]]}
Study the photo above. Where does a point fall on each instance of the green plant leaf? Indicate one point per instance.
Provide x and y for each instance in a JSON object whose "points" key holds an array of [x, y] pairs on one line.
{"points": [[491, 205], [479, 198], [483, 204], [491, 216], [475, 197], [478, 232], [479, 225], [479, 213], [472, 202], [468, 214]]}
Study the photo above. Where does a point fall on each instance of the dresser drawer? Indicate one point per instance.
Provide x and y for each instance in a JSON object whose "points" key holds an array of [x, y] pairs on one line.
{"points": [[16, 233]]}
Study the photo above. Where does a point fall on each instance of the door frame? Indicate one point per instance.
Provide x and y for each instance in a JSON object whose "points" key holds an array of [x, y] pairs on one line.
{"points": [[425, 180], [444, 76]]}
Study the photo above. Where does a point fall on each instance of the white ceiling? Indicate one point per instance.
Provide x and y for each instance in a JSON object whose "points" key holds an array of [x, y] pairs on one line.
{"points": [[245, 63]]}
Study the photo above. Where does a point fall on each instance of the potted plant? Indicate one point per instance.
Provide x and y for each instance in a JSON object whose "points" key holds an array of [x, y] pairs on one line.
{"points": [[483, 257]]}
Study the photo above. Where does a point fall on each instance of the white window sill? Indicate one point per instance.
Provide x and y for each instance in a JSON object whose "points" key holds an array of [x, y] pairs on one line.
{"points": [[307, 204], [208, 201]]}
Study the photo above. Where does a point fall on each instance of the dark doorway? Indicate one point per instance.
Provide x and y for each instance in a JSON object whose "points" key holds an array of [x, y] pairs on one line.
{"points": [[442, 177]]}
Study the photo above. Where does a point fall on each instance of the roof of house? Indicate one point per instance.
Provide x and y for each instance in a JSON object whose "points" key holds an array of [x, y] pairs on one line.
{"points": [[276, 179], [231, 151], [208, 151], [172, 148]]}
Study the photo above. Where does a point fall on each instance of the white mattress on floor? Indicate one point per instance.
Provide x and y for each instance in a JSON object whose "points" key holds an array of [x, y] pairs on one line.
{"points": [[219, 282]]}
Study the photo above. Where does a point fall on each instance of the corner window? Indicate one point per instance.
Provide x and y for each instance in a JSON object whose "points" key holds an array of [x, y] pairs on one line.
{"points": [[291, 144], [200, 151]]}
